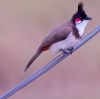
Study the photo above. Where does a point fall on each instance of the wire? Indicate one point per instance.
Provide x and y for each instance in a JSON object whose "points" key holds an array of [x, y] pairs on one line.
{"points": [[50, 65]]}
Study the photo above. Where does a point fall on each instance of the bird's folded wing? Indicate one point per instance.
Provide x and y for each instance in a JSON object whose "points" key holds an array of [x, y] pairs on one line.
{"points": [[54, 36]]}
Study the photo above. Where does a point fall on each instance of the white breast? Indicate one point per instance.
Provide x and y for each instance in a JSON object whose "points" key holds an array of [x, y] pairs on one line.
{"points": [[70, 41]]}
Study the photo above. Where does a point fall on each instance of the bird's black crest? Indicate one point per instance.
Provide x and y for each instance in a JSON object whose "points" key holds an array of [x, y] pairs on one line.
{"points": [[80, 6], [80, 12]]}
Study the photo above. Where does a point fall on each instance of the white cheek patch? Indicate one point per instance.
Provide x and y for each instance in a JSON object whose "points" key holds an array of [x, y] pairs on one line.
{"points": [[81, 26]]}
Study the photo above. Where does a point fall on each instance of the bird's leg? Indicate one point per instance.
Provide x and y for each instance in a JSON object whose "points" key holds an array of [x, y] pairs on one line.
{"points": [[64, 51], [70, 50]]}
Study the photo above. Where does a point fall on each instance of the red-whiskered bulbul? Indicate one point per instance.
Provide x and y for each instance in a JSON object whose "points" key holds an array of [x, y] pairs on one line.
{"points": [[64, 36]]}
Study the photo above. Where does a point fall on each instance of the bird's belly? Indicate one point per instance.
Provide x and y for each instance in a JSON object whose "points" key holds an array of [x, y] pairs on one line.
{"points": [[69, 42]]}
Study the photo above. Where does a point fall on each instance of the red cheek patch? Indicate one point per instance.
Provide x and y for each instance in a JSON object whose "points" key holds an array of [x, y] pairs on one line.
{"points": [[77, 20]]}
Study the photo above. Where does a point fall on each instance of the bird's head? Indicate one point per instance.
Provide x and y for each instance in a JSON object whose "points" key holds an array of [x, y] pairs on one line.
{"points": [[80, 15]]}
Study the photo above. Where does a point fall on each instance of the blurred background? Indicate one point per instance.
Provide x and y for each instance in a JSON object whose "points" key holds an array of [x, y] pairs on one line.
{"points": [[23, 24]]}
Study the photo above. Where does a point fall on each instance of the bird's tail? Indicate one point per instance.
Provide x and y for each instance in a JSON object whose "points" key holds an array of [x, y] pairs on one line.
{"points": [[38, 52]]}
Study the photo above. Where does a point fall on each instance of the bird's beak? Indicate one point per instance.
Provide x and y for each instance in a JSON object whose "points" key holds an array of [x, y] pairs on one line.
{"points": [[88, 18]]}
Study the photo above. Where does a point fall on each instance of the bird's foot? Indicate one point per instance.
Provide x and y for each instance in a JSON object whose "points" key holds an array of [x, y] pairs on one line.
{"points": [[70, 50], [64, 51]]}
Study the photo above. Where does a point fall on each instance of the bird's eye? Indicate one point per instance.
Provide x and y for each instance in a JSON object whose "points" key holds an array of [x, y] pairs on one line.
{"points": [[78, 20]]}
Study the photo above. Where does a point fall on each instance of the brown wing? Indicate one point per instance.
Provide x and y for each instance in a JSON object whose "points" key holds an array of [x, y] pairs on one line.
{"points": [[55, 35]]}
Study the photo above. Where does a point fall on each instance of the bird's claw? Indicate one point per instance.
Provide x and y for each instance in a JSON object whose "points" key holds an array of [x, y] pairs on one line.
{"points": [[70, 50]]}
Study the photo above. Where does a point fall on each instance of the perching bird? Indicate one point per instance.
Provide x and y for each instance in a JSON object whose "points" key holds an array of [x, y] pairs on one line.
{"points": [[64, 36]]}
